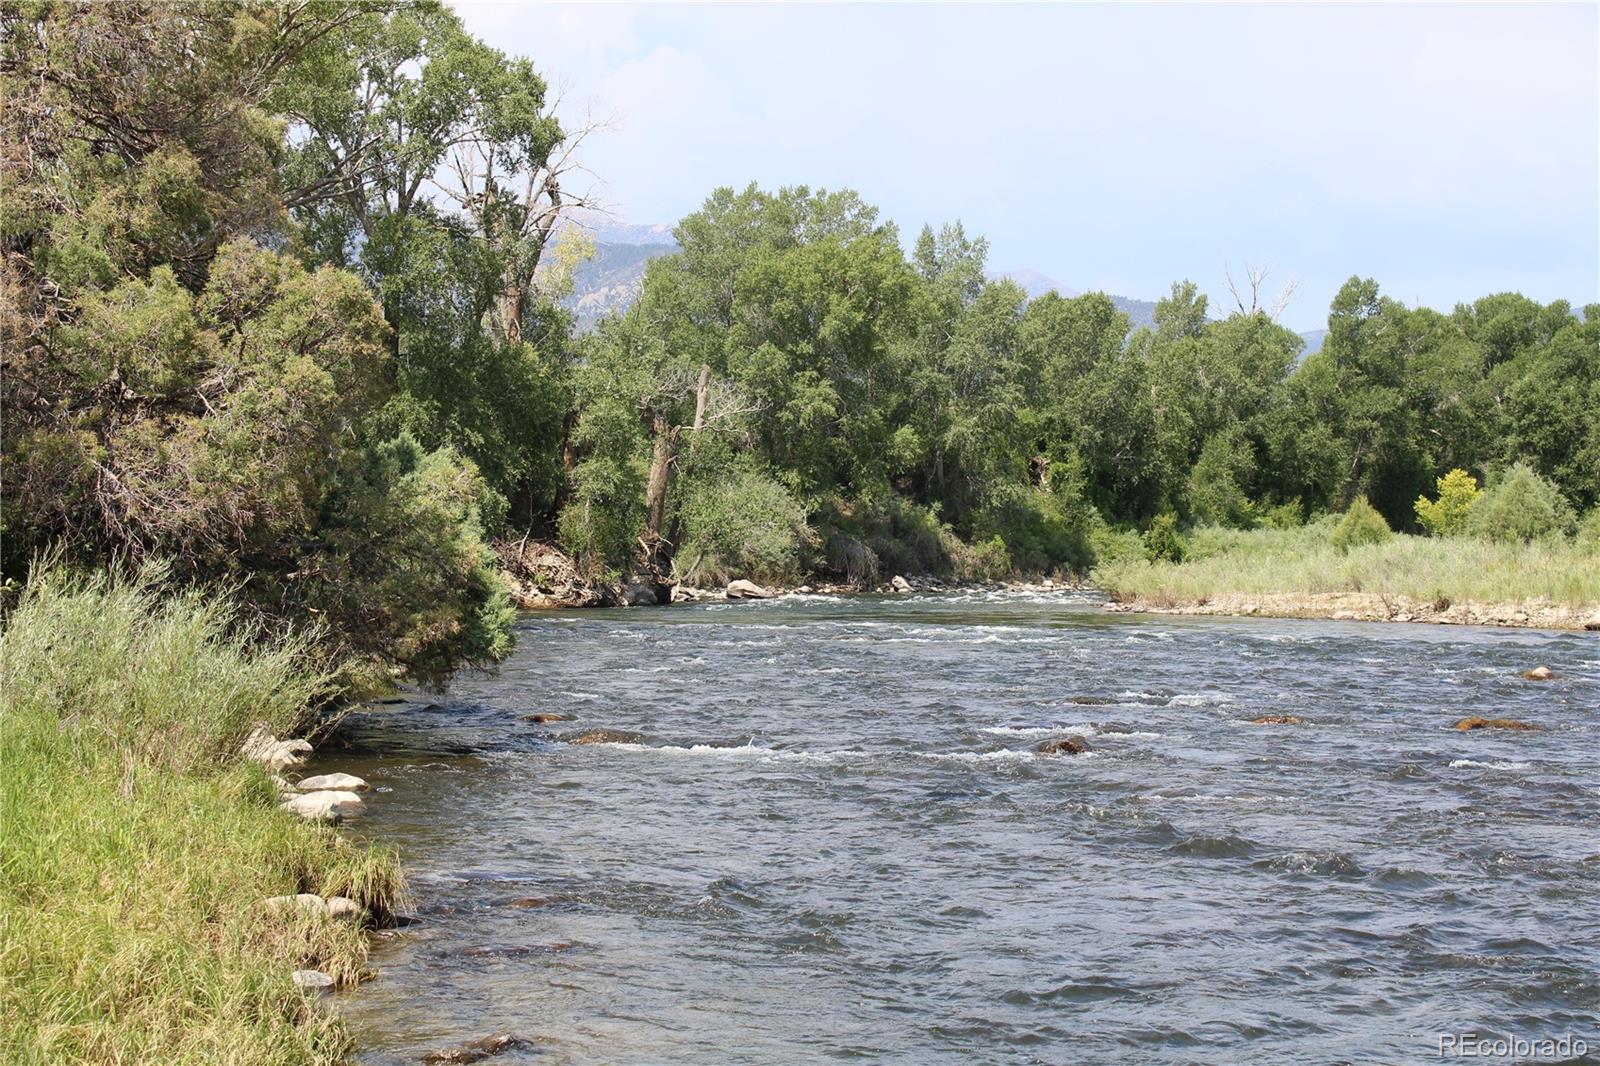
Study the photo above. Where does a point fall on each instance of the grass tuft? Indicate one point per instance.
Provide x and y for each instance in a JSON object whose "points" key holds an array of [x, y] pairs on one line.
{"points": [[1553, 571], [138, 849]]}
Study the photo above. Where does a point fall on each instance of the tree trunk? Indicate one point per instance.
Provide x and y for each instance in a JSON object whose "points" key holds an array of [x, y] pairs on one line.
{"points": [[700, 393], [512, 298], [662, 448]]}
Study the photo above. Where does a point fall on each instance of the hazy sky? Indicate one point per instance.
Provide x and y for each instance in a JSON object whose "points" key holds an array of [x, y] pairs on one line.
{"points": [[1448, 151]]}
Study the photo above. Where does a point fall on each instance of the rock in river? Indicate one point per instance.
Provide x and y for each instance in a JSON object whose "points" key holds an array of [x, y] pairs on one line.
{"points": [[747, 590], [1278, 719], [545, 719], [1493, 723], [337, 782], [475, 1050], [1538, 673], [604, 736], [1073, 745]]}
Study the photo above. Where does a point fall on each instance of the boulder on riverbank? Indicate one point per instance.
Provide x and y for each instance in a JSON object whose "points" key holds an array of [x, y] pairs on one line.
{"points": [[302, 903], [1492, 723], [338, 908], [1073, 745], [900, 584], [746, 590], [328, 805], [276, 755], [314, 981]]}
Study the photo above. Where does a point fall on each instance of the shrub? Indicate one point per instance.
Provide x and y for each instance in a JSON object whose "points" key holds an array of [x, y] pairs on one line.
{"points": [[1361, 524], [1521, 506], [1163, 542], [1041, 528], [1111, 546], [1458, 492], [1291, 515], [747, 525], [177, 683], [598, 524]]}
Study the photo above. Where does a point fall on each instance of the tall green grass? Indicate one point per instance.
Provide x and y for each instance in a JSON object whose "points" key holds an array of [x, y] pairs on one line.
{"points": [[135, 848], [1553, 571]]}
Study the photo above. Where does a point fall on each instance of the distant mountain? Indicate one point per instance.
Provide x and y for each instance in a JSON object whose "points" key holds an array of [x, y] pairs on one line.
{"points": [[1313, 339], [1035, 284], [612, 279]]}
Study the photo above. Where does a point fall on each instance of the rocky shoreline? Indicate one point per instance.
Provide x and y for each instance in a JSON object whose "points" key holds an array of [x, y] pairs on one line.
{"points": [[1368, 607], [541, 577]]}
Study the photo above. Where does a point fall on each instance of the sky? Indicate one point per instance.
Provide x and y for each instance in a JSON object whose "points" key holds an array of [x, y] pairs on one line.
{"points": [[1449, 151]]}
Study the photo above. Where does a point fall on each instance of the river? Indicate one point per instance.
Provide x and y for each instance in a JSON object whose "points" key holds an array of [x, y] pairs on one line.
{"points": [[833, 839]]}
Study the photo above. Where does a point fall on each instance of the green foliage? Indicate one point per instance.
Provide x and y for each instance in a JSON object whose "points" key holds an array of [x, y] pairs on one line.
{"points": [[1041, 529], [1289, 515], [1588, 535], [1521, 506], [1163, 542], [1216, 484], [744, 524], [186, 393], [1361, 525], [1447, 515]]}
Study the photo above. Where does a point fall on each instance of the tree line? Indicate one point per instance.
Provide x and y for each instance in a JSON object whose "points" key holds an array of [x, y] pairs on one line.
{"points": [[283, 289]]}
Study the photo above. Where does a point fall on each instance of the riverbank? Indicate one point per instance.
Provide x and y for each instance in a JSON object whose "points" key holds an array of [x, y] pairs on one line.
{"points": [[1298, 573], [141, 852]]}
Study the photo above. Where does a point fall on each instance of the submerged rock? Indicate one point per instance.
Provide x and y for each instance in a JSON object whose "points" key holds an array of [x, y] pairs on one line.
{"points": [[1493, 723], [337, 782], [747, 590], [1278, 719], [604, 736], [545, 719], [1073, 745], [475, 1050], [1538, 673], [325, 806], [313, 980]]}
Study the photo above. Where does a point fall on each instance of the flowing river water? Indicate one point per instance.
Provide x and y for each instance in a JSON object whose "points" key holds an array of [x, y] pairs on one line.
{"points": [[833, 839]]}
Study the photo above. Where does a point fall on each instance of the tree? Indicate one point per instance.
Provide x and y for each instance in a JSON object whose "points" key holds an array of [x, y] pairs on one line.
{"points": [[175, 389], [1458, 491]]}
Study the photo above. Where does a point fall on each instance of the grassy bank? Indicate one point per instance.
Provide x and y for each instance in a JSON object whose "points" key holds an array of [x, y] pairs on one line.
{"points": [[1299, 571], [137, 849]]}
